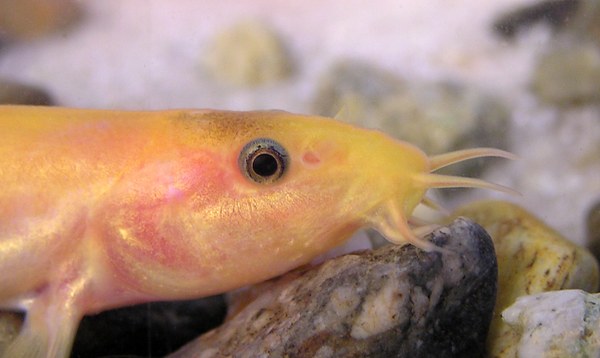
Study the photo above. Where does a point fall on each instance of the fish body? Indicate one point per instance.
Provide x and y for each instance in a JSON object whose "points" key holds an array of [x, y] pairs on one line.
{"points": [[101, 209]]}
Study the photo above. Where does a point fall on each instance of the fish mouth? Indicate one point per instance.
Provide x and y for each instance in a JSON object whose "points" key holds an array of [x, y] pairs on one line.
{"points": [[401, 229], [401, 226]]}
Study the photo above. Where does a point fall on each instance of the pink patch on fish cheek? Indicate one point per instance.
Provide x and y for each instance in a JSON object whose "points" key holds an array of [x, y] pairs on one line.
{"points": [[202, 177], [146, 233], [148, 254], [311, 159]]}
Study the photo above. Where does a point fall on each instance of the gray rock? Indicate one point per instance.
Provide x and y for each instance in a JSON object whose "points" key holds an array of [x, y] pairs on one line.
{"points": [[356, 85], [17, 93], [569, 74], [557, 324], [391, 302], [556, 13], [578, 19], [437, 117], [585, 23]]}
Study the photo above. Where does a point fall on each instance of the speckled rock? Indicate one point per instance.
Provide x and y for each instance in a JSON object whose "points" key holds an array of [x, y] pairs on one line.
{"points": [[26, 19], [17, 93], [532, 258], [248, 54], [391, 302], [556, 324], [569, 74], [437, 117]]}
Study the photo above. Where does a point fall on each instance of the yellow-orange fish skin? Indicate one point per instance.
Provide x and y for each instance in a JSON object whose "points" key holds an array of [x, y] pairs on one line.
{"points": [[100, 209]]}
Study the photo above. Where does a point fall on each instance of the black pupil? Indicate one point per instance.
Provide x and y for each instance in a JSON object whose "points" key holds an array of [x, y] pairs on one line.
{"points": [[264, 165]]}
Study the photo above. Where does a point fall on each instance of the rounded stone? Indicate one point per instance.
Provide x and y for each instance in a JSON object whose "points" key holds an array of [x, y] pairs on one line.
{"points": [[396, 301], [532, 258], [248, 54], [18, 93], [436, 117], [28, 19], [569, 75], [562, 323]]}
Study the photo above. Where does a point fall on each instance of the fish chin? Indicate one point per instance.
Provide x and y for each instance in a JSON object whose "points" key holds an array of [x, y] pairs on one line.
{"points": [[393, 223]]}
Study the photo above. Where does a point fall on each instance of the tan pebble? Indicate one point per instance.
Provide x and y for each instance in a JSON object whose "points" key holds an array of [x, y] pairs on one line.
{"points": [[532, 258], [248, 54], [27, 19], [569, 75]]}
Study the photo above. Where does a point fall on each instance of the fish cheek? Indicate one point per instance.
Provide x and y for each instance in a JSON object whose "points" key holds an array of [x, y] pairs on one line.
{"points": [[144, 226], [148, 254]]}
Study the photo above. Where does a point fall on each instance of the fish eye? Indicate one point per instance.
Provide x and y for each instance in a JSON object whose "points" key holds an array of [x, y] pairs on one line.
{"points": [[263, 160]]}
